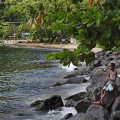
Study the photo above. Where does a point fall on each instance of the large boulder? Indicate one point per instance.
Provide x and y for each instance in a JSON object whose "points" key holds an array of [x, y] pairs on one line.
{"points": [[78, 96], [74, 74], [99, 54], [109, 98], [76, 80], [118, 70], [82, 116], [98, 80], [98, 76], [105, 53], [93, 64], [89, 68], [70, 103], [96, 63], [94, 91], [116, 105], [36, 103], [98, 112], [109, 58], [57, 84], [67, 116], [118, 80], [76, 100], [115, 116], [117, 64], [104, 68], [104, 62], [51, 103], [70, 75], [116, 53], [82, 106]]}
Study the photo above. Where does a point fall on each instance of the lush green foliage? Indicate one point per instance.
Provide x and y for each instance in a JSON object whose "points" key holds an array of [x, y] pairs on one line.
{"points": [[96, 25], [82, 53], [17, 10], [54, 20]]}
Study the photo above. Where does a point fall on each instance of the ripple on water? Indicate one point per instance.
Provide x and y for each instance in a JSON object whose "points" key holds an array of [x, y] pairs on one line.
{"points": [[25, 76]]}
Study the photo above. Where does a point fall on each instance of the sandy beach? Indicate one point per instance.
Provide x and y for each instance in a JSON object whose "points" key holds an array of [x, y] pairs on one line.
{"points": [[45, 45], [51, 46]]}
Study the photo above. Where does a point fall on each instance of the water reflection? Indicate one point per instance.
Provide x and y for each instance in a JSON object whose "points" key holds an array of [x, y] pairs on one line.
{"points": [[26, 76], [22, 71]]}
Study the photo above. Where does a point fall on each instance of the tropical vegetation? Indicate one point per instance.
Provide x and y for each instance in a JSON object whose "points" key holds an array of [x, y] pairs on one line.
{"points": [[91, 22]]}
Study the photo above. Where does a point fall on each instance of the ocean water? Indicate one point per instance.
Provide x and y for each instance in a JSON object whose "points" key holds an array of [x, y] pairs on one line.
{"points": [[26, 76]]}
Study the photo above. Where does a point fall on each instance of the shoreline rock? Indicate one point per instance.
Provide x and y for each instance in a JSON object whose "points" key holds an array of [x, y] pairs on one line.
{"points": [[82, 116], [98, 112], [75, 80], [49, 104], [67, 116], [96, 71]]}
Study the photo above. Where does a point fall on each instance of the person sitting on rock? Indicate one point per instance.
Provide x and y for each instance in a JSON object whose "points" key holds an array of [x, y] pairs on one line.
{"points": [[111, 83]]}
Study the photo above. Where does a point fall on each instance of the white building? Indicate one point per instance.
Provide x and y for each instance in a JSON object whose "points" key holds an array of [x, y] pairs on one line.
{"points": [[72, 40]]}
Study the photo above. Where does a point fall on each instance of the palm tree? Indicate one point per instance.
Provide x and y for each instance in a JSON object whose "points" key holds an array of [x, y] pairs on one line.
{"points": [[40, 18], [93, 3], [32, 15]]}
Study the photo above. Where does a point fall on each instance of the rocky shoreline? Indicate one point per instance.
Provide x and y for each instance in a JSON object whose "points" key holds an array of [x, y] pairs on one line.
{"points": [[95, 73]]}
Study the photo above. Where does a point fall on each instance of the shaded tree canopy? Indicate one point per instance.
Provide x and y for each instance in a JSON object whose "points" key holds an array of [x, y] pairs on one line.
{"points": [[91, 22]]}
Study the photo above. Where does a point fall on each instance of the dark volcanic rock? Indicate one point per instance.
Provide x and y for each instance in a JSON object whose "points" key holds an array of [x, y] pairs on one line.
{"points": [[97, 80], [104, 68], [82, 106], [82, 116], [20, 114], [118, 71], [104, 62], [98, 76], [98, 112], [74, 74], [109, 98], [78, 96], [51, 103], [70, 103], [98, 71], [67, 116], [57, 84], [116, 105], [109, 58], [96, 63], [116, 53], [36, 103], [77, 99], [118, 64], [115, 116], [89, 68], [70, 75], [94, 90], [118, 81], [77, 80]]}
